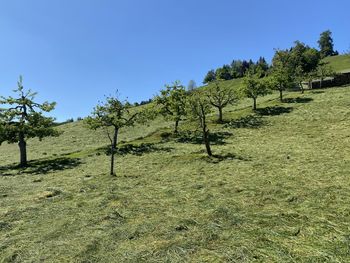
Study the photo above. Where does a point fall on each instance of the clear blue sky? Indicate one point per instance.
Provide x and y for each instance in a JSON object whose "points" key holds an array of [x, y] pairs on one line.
{"points": [[76, 51]]}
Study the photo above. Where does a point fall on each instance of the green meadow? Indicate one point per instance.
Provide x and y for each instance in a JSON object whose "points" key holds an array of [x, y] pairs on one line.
{"points": [[277, 189]]}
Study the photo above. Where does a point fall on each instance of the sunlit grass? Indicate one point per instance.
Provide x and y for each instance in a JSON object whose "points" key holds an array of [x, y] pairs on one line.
{"points": [[278, 190]]}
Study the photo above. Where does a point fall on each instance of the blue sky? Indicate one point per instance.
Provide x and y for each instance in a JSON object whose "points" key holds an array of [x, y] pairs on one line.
{"points": [[76, 51]]}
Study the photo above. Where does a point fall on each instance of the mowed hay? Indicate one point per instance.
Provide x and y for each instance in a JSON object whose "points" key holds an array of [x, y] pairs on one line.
{"points": [[277, 190]]}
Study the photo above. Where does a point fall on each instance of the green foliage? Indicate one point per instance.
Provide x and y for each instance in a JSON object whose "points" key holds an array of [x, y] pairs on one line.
{"points": [[111, 113], [326, 44], [223, 73], [171, 103], [22, 118], [211, 76], [254, 87], [220, 97]]}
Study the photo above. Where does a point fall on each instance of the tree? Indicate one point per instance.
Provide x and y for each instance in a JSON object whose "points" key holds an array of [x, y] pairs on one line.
{"points": [[282, 72], [191, 85], [114, 114], [220, 97], [199, 107], [211, 76], [326, 44], [22, 118], [223, 73], [172, 103], [324, 70], [253, 87]]}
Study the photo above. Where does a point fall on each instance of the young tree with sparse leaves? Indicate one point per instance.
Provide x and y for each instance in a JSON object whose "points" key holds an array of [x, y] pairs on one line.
{"points": [[21, 118], [254, 87], [199, 106], [171, 103], [220, 97], [324, 70], [112, 115]]}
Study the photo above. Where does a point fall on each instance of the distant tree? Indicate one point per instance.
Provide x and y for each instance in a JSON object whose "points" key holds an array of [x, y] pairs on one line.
{"points": [[282, 72], [220, 97], [191, 85], [21, 118], [261, 65], [237, 70], [223, 73], [324, 70], [199, 107], [254, 87], [112, 115], [172, 103], [211, 76], [326, 44]]}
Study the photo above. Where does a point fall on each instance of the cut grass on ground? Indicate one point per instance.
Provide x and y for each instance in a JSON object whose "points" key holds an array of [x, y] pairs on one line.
{"points": [[278, 190]]}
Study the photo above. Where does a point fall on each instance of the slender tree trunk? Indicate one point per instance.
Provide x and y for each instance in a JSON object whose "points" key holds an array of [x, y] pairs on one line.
{"points": [[220, 120], [205, 133], [23, 150], [301, 87], [207, 142], [281, 95], [113, 149], [321, 83], [176, 126], [254, 103]]}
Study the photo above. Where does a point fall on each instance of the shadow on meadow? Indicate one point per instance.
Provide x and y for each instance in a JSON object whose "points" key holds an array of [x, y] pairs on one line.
{"points": [[215, 138], [273, 111], [138, 149], [251, 121], [41, 166], [297, 100]]}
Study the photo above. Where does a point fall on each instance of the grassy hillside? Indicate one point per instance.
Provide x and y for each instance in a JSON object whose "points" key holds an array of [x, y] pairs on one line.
{"points": [[278, 190], [339, 63]]}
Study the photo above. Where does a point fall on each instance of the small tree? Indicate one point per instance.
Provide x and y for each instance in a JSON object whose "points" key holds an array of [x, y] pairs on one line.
{"points": [[191, 85], [220, 97], [22, 118], [324, 70], [172, 103], [253, 87], [282, 71], [113, 114], [199, 107]]}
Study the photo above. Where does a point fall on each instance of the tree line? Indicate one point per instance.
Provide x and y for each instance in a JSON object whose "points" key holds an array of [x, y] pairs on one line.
{"points": [[239, 68]]}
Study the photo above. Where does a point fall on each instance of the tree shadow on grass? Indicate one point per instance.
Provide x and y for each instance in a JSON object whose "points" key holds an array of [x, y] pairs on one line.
{"points": [[297, 100], [41, 166], [273, 111], [215, 138], [138, 149], [251, 121], [217, 158]]}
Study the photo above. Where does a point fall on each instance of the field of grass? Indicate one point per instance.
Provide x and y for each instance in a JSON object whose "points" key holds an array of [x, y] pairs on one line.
{"points": [[277, 190], [339, 63]]}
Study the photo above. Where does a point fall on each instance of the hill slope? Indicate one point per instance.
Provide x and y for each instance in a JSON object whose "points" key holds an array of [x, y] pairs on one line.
{"points": [[339, 63], [278, 191]]}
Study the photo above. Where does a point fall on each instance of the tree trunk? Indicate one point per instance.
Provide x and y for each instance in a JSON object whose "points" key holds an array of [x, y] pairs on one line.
{"points": [[321, 83], [23, 150], [254, 103], [220, 120], [207, 142], [281, 95], [113, 149], [301, 87], [176, 126]]}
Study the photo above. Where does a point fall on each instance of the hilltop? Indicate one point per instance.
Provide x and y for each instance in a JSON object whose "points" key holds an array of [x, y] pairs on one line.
{"points": [[339, 63], [278, 190]]}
